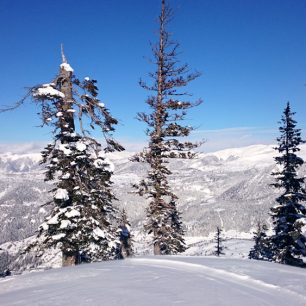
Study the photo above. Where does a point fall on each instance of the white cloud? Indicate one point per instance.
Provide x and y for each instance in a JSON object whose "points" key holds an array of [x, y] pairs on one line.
{"points": [[234, 137], [220, 138], [214, 140], [22, 148], [133, 145]]}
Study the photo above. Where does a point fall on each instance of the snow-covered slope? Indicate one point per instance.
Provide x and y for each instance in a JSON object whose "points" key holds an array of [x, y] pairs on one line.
{"points": [[228, 188], [160, 281]]}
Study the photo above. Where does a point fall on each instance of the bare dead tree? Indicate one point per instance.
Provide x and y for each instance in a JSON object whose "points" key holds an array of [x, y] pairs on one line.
{"points": [[165, 130]]}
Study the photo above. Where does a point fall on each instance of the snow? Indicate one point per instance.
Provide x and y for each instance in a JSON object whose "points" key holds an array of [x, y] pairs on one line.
{"points": [[80, 146], [47, 90], [58, 236], [59, 114], [86, 78], [72, 213], [53, 220], [101, 154], [98, 232], [61, 194], [65, 223], [98, 163], [101, 104], [66, 67], [110, 166], [44, 226], [42, 210], [66, 176], [167, 280], [63, 147], [302, 224], [259, 156]]}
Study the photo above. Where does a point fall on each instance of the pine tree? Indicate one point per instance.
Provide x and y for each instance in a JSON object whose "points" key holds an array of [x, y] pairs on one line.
{"points": [[83, 217], [165, 133], [126, 238], [219, 240], [288, 244], [260, 250]]}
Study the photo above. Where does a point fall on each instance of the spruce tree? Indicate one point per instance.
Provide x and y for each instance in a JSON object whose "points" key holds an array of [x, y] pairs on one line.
{"points": [[219, 240], [82, 219], [165, 132], [288, 243], [260, 250]]}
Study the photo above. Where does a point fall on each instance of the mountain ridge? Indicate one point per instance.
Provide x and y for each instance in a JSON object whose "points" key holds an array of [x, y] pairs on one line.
{"points": [[228, 188]]}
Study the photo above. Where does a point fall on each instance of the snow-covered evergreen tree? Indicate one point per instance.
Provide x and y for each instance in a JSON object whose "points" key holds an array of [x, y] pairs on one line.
{"points": [[83, 218], [288, 244], [126, 238], [260, 250], [165, 132], [5, 260], [219, 240]]}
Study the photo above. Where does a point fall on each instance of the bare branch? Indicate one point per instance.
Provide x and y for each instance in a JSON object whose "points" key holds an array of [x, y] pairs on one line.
{"points": [[17, 104]]}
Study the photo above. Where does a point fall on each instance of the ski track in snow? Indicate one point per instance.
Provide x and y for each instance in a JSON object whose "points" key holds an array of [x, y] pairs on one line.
{"points": [[160, 281], [220, 274]]}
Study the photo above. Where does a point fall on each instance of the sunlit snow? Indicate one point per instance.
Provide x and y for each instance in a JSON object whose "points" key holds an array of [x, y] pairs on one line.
{"points": [[49, 91], [61, 194], [66, 67], [58, 236], [65, 223], [80, 146], [163, 281], [98, 232], [72, 213]]}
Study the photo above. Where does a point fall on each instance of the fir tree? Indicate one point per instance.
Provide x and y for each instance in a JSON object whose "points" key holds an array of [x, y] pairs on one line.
{"points": [[126, 238], [168, 109], [288, 244], [82, 220], [260, 250], [219, 240]]}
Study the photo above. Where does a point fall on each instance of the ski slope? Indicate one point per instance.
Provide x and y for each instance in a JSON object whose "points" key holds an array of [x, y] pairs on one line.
{"points": [[167, 280]]}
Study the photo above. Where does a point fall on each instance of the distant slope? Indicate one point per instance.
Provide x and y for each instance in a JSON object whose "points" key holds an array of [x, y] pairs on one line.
{"points": [[160, 281], [228, 188]]}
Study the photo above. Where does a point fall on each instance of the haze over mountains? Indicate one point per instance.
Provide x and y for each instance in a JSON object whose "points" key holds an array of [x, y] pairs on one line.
{"points": [[229, 188]]}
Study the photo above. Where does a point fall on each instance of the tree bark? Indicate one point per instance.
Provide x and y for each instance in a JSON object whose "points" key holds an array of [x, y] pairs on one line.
{"points": [[69, 259], [157, 249], [67, 125]]}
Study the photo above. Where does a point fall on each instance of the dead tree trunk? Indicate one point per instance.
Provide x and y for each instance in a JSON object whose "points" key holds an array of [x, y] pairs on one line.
{"points": [[69, 258]]}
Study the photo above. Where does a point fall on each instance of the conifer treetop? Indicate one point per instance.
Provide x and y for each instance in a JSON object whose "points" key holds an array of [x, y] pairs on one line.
{"points": [[169, 102], [64, 60], [81, 221], [288, 243]]}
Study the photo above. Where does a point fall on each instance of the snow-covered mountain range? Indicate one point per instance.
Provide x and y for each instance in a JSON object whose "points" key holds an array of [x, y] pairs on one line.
{"points": [[228, 188]]}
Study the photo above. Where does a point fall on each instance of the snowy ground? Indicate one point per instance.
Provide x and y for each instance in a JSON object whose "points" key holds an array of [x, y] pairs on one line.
{"points": [[175, 280]]}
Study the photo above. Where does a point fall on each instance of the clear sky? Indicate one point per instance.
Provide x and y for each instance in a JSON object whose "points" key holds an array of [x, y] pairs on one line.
{"points": [[252, 55]]}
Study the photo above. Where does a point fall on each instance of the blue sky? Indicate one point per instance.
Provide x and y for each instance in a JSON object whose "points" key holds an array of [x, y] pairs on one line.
{"points": [[252, 55]]}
